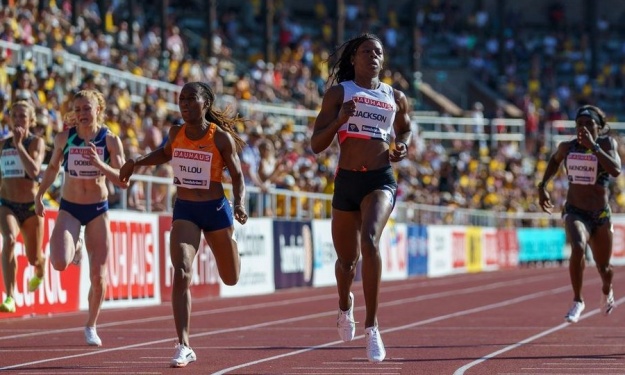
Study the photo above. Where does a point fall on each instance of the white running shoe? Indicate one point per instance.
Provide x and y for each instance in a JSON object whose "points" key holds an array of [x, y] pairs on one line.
{"points": [[91, 336], [184, 355], [375, 346], [576, 310], [607, 303], [345, 322]]}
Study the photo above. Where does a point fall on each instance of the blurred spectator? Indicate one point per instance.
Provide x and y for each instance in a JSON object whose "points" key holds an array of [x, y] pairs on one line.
{"points": [[250, 162], [162, 195]]}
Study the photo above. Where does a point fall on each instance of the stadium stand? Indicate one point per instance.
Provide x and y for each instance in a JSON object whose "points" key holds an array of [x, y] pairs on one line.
{"points": [[49, 50]]}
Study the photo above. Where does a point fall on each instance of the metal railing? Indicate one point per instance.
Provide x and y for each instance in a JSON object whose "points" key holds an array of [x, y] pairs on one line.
{"points": [[491, 131], [563, 130], [288, 204], [77, 69]]}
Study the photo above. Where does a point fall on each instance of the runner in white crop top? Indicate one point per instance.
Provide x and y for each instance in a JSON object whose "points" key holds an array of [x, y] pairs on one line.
{"points": [[367, 115]]}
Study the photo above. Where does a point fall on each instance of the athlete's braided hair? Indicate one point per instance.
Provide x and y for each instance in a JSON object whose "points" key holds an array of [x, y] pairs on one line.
{"points": [[343, 69], [220, 118]]}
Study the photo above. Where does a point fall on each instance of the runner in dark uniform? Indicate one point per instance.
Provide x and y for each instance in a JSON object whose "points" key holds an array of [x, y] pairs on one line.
{"points": [[590, 160]]}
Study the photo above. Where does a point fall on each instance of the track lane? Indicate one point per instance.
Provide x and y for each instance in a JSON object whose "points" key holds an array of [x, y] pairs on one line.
{"points": [[429, 326]]}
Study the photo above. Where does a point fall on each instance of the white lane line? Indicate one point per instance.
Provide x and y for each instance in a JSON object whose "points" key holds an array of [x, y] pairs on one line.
{"points": [[407, 326], [281, 321], [287, 302], [464, 368]]}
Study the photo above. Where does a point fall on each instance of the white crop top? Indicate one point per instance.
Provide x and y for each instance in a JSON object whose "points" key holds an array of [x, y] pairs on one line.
{"points": [[375, 112]]}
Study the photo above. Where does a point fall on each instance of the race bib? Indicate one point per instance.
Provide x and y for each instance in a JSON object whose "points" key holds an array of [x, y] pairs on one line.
{"points": [[192, 169], [11, 165], [78, 164], [582, 168]]}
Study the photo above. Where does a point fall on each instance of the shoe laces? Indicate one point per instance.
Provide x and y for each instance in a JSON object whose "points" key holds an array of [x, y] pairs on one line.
{"points": [[610, 297], [346, 324], [576, 308], [373, 342], [91, 332], [345, 317], [180, 349]]}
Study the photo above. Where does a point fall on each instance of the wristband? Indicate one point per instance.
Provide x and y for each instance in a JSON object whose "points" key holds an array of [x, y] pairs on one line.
{"points": [[403, 143], [595, 148], [541, 185]]}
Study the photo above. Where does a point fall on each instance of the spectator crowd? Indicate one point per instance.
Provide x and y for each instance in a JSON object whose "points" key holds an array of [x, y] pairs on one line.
{"points": [[278, 153]]}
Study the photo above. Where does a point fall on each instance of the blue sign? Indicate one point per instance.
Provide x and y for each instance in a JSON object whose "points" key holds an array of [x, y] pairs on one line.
{"points": [[541, 244], [417, 250], [293, 254]]}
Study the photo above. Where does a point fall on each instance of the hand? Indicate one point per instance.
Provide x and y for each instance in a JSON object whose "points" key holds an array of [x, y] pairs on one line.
{"points": [[39, 209], [18, 135], [239, 213], [585, 138], [126, 171], [348, 109], [544, 200], [399, 152], [92, 155]]}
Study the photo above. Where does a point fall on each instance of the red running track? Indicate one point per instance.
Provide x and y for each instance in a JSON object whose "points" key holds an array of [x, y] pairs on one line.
{"points": [[504, 322]]}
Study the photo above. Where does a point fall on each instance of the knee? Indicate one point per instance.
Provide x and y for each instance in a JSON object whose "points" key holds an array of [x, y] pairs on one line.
{"points": [[604, 268], [8, 244], [369, 246], [58, 264], [346, 266], [97, 281], [33, 258], [230, 280], [577, 251], [182, 276]]}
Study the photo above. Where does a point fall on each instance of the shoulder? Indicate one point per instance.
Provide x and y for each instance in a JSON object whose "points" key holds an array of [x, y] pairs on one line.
{"points": [[174, 130], [335, 92], [606, 138], [36, 141], [62, 136], [109, 135], [400, 99], [336, 89], [566, 146], [222, 137], [398, 94]]}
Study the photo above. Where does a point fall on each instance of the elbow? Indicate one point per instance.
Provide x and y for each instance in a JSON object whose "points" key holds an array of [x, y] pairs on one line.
{"points": [[315, 147], [35, 173], [616, 172]]}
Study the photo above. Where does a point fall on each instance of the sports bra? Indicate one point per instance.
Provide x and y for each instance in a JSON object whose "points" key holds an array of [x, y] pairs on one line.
{"points": [[582, 166], [11, 165]]}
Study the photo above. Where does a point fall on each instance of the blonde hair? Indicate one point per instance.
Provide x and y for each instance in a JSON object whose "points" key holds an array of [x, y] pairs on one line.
{"points": [[30, 110], [94, 96]]}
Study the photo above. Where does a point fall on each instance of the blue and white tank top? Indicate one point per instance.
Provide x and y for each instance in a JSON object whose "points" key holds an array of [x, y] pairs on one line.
{"points": [[74, 161]]}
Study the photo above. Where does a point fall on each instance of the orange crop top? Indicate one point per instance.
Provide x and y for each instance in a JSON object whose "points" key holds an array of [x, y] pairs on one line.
{"points": [[196, 162]]}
